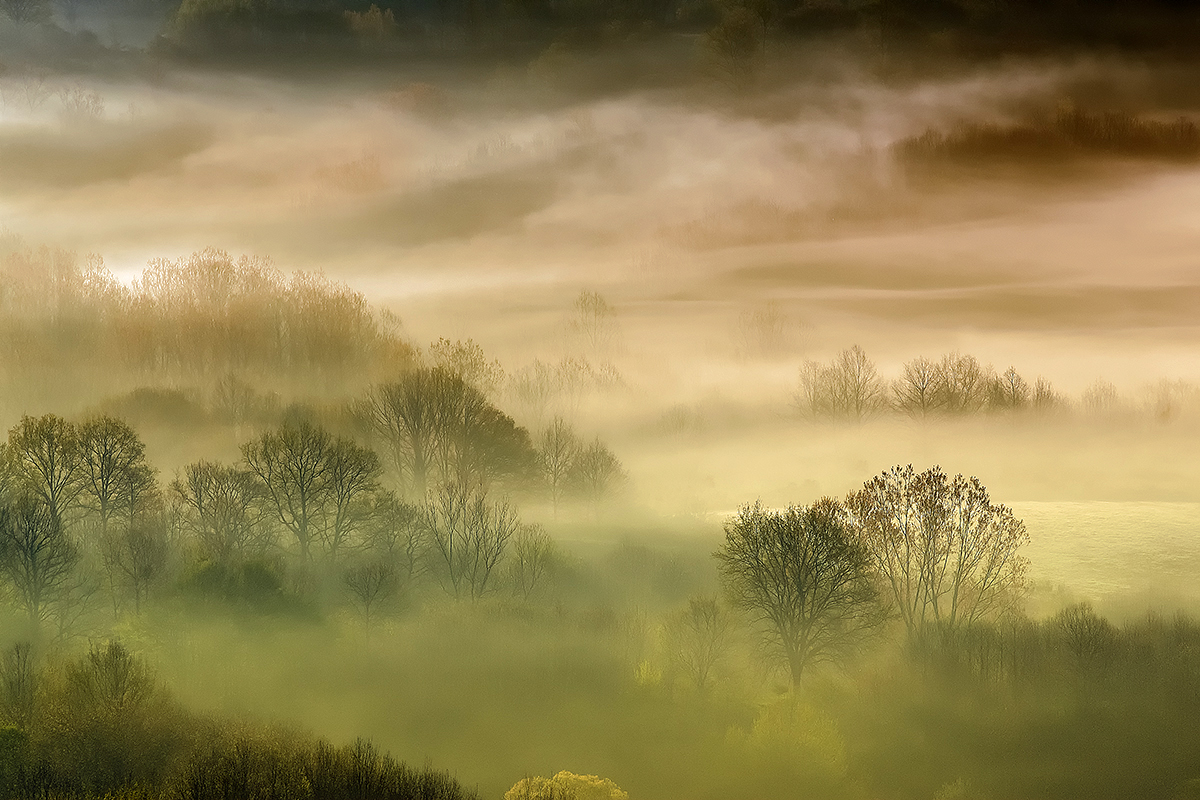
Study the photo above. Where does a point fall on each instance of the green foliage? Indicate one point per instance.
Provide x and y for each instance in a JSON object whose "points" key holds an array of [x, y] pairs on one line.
{"points": [[566, 786]]}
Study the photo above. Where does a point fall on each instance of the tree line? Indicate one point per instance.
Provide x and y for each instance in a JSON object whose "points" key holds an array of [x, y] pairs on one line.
{"points": [[83, 512], [849, 386], [198, 318]]}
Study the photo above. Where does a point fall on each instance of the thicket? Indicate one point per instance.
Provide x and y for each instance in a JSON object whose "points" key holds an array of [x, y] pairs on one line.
{"points": [[101, 725]]}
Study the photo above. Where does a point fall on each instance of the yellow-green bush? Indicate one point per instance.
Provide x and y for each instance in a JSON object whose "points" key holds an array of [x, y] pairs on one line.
{"points": [[566, 786]]}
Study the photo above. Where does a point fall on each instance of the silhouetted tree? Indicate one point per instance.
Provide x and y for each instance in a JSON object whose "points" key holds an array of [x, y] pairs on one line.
{"points": [[293, 469], [114, 476], [948, 555], [804, 579], [918, 391], [221, 508], [36, 555], [438, 428], [45, 461], [596, 473], [468, 538], [138, 554], [352, 479], [558, 449]]}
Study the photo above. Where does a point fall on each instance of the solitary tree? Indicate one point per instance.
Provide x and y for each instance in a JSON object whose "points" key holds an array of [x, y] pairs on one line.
{"points": [[948, 554], [804, 579]]}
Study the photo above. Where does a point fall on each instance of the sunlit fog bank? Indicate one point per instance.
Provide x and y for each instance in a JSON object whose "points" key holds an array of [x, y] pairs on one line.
{"points": [[549, 400]]}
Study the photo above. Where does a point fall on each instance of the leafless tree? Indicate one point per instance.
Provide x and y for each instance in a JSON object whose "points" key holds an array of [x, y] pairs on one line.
{"points": [[18, 680], [369, 585], [533, 554], [352, 478], [558, 449], [848, 387], [804, 579], [594, 322], [45, 457], [918, 391], [697, 639], [293, 469], [36, 555], [221, 508], [948, 554], [396, 533], [1009, 392], [468, 361], [438, 429], [114, 474], [138, 554], [596, 473], [964, 384], [469, 537]]}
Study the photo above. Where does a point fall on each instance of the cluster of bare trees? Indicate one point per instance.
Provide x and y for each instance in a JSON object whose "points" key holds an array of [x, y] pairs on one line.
{"points": [[571, 466], [80, 500], [850, 387], [931, 550], [71, 492]]}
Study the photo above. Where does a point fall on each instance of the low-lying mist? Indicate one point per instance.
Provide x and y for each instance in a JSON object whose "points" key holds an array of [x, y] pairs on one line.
{"points": [[541, 415]]}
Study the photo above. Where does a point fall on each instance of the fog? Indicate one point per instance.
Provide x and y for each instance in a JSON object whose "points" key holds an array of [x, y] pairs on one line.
{"points": [[598, 299]]}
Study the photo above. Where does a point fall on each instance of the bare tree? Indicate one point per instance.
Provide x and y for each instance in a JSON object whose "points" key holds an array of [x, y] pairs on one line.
{"points": [[352, 478], [964, 384], [396, 533], [44, 453], [292, 466], [469, 537], [468, 361], [804, 579], [114, 474], [369, 585], [697, 639], [440, 429], [594, 322], [847, 387], [1009, 391], [221, 508], [138, 554], [36, 555], [918, 391], [596, 473], [533, 554], [558, 449], [948, 555]]}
